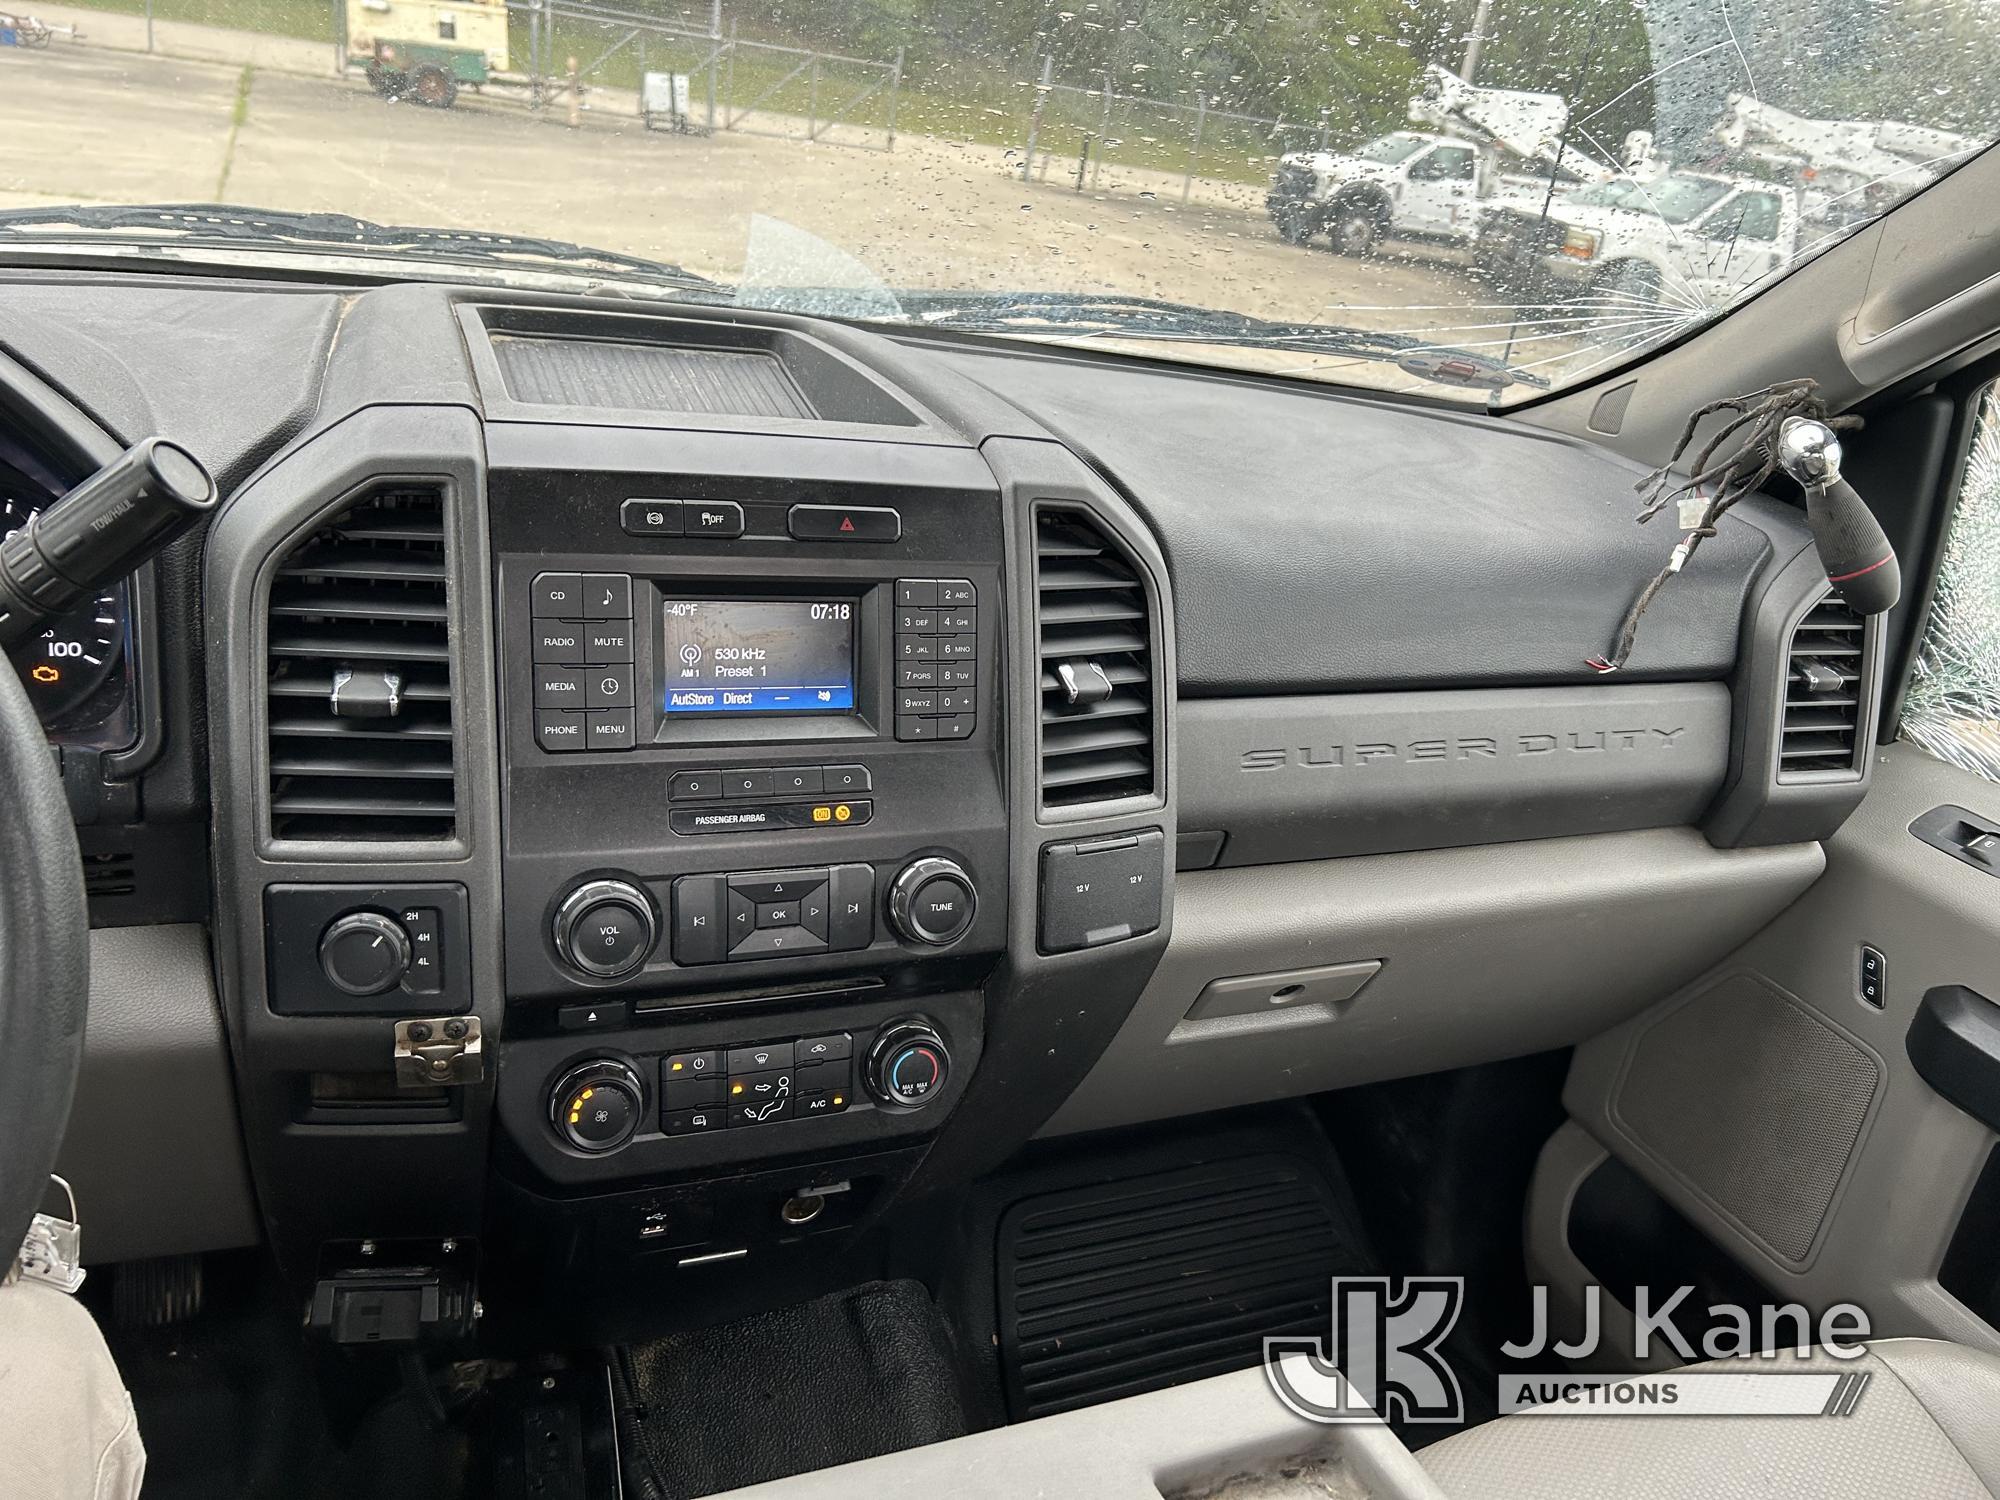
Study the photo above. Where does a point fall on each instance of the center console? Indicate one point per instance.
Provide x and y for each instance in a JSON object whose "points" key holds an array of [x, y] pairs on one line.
{"points": [[755, 835]]}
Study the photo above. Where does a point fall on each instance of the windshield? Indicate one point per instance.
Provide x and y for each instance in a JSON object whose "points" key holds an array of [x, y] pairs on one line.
{"points": [[1391, 149], [1170, 181]]}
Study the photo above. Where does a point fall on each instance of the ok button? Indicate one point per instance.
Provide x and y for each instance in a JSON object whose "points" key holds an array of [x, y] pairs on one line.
{"points": [[608, 687]]}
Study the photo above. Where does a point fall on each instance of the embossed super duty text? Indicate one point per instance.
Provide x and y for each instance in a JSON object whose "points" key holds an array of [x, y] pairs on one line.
{"points": [[1446, 748]]}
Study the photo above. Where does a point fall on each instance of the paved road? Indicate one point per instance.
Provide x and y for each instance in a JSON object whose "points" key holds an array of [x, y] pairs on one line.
{"points": [[96, 126]]}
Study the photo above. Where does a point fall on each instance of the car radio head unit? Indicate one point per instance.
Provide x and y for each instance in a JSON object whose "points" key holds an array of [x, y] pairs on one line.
{"points": [[757, 656]]}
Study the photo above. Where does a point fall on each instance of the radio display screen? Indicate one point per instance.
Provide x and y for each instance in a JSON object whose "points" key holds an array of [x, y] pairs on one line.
{"points": [[756, 656]]}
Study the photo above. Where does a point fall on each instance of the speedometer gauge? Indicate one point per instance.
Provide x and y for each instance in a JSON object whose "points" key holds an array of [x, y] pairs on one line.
{"points": [[64, 667]]}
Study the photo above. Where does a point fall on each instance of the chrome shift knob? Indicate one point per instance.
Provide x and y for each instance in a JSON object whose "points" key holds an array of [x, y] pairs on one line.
{"points": [[1809, 451]]}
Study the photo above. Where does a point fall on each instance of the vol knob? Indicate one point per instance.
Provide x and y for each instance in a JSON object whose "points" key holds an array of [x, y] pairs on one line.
{"points": [[605, 928], [932, 901], [364, 953]]}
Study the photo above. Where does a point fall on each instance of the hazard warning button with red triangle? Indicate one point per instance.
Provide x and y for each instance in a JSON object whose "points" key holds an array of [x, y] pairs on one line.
{"points": [[845, 523]]}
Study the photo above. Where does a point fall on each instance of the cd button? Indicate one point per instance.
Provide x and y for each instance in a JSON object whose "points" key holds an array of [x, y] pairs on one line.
{"points": [[558, 596]]}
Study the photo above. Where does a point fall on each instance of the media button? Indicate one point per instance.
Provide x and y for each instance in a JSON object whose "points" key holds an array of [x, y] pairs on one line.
{"points": [[711, 518], [559, 687], [650, 517]]}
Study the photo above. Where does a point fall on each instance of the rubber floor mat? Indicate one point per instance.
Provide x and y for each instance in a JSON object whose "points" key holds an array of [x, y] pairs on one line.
{"points": [[1143, 1282], [844, 1377]]}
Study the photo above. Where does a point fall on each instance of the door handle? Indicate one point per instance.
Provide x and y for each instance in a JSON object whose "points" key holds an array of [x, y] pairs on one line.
{"points": [[1963, 834]]}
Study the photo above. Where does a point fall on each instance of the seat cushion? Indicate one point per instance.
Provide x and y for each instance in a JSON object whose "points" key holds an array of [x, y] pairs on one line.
{"points": [[1928, 1425]]}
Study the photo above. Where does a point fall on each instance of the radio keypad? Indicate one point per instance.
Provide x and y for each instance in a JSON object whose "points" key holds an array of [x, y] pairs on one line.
{"points": [[584, 694], [937, 647]]}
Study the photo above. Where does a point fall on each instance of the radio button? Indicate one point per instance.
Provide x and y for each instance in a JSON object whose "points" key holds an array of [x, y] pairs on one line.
{"points": [[559, 645], [844, 523], [847, 778], [956, 592], [608, 687], [558, 596], [921, 593], [694, 786], [607, 644], [650, 517], [607, 596], [794, 780], [559, 687], [608, 729], [711, 518]]}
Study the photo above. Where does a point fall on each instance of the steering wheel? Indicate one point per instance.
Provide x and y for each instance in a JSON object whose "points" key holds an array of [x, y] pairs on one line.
{"points": [[44, 964]]}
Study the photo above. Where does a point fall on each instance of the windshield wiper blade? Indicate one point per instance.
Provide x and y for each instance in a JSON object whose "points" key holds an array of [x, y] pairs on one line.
{"points": [[1071, 316], [218, 223]]}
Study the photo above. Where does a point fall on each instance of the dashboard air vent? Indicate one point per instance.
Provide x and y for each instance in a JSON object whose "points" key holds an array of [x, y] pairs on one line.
{"points": [[1095, 663], [360, 676], [1820, 731]]}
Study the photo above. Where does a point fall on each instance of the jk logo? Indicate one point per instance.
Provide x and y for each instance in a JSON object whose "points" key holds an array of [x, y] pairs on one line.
{"points": [[1380, 1355]]}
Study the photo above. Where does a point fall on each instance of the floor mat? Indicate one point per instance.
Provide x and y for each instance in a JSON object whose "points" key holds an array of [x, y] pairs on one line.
{"points": [[1134, 1283], [845, 1377]]}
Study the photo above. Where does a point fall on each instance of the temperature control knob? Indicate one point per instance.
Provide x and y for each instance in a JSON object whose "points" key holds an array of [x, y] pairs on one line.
{"points": [[907, 1064], [932, 901], [597, 1106], [364, 953], [605, 928]]}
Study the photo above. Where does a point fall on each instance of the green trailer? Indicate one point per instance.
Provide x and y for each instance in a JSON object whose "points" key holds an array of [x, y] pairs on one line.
{"points": [[425, 50]]}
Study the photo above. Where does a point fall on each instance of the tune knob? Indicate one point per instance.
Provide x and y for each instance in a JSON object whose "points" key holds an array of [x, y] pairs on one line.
{"points": [[907, 1064], [605, 928], [932, 901], [597, 1105], [364, 953]]}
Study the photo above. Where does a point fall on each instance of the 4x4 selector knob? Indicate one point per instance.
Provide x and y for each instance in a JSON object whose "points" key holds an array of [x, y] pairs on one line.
{"points": [[605, 928], [364, 953], [932, 901], [597, 1105], [907, 1063]]}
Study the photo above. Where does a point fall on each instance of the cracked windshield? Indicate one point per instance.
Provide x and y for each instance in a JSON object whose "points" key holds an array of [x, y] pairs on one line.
{"points": [[1477, 199]]}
